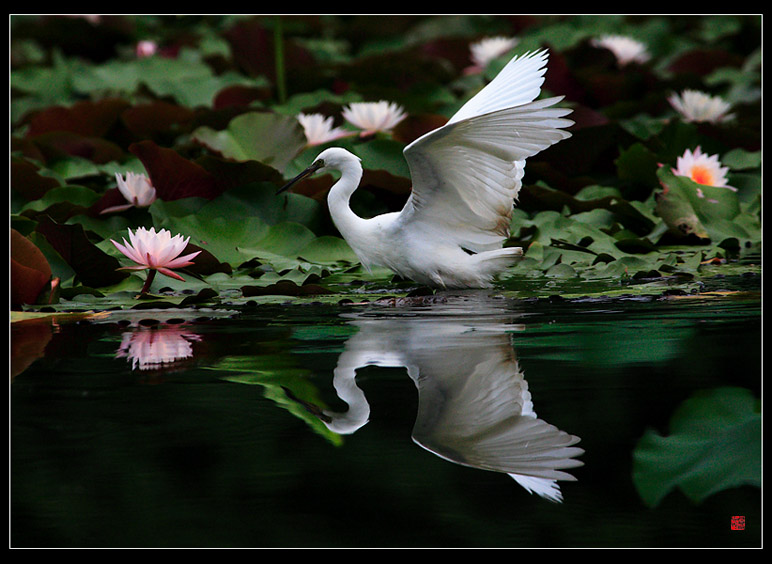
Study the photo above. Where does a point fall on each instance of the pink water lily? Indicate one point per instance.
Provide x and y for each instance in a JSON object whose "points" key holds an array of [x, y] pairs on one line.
{"points": [[155, 252], [319, 129], [372, 117], [136, 188]]}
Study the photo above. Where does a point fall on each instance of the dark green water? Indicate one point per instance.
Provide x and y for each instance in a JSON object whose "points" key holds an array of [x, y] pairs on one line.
{"points": [[230, 446]]}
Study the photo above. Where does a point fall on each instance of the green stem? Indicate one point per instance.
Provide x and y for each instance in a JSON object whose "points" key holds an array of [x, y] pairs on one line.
{"points": [[278, 48]]}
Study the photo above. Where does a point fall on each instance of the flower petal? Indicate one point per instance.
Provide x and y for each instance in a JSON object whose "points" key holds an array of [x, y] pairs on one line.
{"points": [[185, 260], [170, 273]]}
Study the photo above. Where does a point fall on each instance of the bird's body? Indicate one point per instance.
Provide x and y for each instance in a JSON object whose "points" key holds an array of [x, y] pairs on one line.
{"points": [[466, 176]]}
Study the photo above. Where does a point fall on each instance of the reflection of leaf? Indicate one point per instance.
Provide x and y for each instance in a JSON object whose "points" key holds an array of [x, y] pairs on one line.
{"points": [[28, 343], [714, 444], [284, 382]]}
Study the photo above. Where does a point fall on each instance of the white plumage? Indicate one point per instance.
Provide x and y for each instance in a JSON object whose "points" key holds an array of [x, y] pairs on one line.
{"points": [[466, 176]]}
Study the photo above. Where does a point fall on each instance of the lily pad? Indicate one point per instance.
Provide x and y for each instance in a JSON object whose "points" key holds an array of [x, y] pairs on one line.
{"points": [[714, 444], [270, 138]]}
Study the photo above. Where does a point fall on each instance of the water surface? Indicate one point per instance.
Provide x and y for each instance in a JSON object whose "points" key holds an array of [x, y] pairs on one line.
{"points": [[363, 425]]}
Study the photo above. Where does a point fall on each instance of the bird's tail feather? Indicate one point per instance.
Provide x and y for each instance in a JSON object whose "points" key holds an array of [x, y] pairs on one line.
{"points": [[494, 262]]}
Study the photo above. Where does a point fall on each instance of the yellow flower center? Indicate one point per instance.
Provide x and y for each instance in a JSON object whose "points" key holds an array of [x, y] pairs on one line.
{"points": [[702, 175]]}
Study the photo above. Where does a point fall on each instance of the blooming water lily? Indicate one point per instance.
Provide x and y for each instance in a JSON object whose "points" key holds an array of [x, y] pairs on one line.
{"points": [[697, 106], [702, 168], [485, 50], [626, 49], [372, 117], [155, 252], [136, 188], [318, 129]]}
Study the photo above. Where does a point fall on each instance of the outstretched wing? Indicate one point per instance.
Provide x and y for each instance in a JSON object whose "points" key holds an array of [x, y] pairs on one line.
{"points": [[466, 174]]}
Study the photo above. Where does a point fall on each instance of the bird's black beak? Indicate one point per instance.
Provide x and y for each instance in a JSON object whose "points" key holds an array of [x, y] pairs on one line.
{"points": [[308, 172]]}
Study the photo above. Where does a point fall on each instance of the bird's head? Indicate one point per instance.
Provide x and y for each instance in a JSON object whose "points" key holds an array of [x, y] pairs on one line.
{"points": [[332, 158]]}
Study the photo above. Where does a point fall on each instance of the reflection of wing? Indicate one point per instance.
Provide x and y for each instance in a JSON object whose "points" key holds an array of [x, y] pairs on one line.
{"points": [[483, 417], [474, 405]]}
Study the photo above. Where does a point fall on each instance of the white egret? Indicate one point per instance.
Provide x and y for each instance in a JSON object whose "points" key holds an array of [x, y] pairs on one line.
{"points": [[466, 176]]}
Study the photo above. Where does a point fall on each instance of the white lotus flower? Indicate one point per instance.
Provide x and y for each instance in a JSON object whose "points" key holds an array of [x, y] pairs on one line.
{"points": [[485, 50], [694, 105], [318, 129], [136, 188], [372, 117], [702, 168], [155, 251], [625, 49]]}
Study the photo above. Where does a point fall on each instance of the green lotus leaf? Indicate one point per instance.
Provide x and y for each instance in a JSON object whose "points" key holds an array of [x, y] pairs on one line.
{"points": [[714, 444]]}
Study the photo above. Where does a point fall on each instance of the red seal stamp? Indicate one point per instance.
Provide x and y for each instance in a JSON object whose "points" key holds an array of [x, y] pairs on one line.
{"points": [[738, 522]]}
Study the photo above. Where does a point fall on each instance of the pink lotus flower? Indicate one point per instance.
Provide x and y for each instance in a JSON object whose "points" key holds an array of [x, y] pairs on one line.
{"points": [[372, 117], [146, 48], [155, 252], [136, 188], [319, 129]]}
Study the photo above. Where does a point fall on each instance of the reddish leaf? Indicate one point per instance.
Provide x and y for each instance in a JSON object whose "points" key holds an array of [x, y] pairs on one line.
{"points": [[172, 175], [111, 197], [55, 145], [91, 119], [156, 118], [26, 181], [92, 266], [205, 262], [239, 96], [30, 271], [284, 288]]}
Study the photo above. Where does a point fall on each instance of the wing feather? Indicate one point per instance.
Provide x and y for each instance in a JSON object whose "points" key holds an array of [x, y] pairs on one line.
{"points": [[467, 173]]}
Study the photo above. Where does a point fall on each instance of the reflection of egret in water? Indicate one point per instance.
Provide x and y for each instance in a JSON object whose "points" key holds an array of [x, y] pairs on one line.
{"points": [[151, 348], [474, 405]]}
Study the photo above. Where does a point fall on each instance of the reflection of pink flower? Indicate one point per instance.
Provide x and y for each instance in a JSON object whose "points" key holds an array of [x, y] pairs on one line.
{"points": [[155, 251], [702, 168], [136, 188], [156, 347], [372, 117]]}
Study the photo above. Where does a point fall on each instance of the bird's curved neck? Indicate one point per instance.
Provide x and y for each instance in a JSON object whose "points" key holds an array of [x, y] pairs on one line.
{"points": [[338, 198]]}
